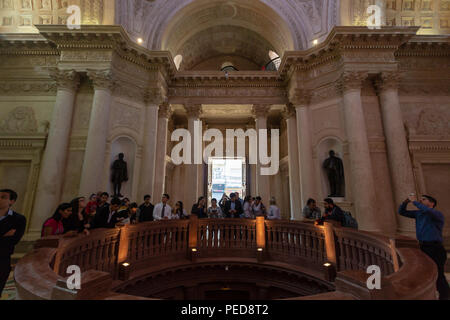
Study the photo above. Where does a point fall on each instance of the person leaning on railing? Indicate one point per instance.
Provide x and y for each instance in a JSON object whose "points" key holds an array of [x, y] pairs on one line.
{"points": [[332, 212], [429, 226]]}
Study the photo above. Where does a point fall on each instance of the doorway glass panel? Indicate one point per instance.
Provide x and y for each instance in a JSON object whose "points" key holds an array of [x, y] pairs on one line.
{"points": [[226, 175]]}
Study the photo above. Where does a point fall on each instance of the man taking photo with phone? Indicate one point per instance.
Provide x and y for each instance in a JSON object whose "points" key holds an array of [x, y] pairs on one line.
{"points": [[429, 225]]}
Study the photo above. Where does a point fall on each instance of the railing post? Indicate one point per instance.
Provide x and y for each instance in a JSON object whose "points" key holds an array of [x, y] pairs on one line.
{"points": [[122, 255], [330, 244], [193, 230], [260, 238]]}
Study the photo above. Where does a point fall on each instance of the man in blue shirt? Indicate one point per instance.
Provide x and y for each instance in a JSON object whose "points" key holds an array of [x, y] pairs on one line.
{"points": [[429, 225]]}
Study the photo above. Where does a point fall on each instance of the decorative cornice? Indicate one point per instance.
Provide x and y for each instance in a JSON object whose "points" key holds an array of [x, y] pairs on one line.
{"points": [[26, 87], [65, 79]]}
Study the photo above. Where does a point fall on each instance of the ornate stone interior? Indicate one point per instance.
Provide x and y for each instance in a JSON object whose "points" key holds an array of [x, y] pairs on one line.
{"points": [[72, 99]]}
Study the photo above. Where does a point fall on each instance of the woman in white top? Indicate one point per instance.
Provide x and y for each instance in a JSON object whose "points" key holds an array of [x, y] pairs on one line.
{"points": [[258, 208], [214, 212], [274, 211], [248, 213], [179, 212]]}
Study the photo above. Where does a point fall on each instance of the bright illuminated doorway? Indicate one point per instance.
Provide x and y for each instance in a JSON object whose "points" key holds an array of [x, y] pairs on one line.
{"points": [[226, 175]]}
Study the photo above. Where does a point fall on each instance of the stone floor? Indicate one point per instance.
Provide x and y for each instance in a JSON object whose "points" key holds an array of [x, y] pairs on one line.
{"points": [[9, 293]]}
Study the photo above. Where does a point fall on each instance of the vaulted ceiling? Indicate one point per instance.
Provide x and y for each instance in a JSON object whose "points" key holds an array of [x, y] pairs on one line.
{"points": [[200, 30]]}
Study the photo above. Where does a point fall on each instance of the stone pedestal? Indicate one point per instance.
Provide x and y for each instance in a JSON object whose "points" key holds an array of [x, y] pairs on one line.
{"points": [[94, 157], [51, 176]]}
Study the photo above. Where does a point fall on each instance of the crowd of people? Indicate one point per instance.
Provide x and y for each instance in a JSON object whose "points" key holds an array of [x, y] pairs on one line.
{"points": [[81, 215]]}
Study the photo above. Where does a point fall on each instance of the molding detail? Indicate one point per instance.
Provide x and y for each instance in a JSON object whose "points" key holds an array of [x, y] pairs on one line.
{"points": [[352, 80], [388, 80], [102, 80], [165, 111], [193, 110], [261, 110], [65, 79]]}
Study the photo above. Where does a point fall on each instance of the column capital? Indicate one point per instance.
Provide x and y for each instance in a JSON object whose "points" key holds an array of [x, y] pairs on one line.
{"points": [[65, 79], [301, 97], [193, 110], [387, 80], [102, 79], [165, 111], [288, 111], [261, 110], [351, 80], [155, 96]]}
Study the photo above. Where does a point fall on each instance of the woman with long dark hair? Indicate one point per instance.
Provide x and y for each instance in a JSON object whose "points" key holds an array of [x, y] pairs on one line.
{"points": [[179, 211], [199, 208], [54, 225], [79, 220]]}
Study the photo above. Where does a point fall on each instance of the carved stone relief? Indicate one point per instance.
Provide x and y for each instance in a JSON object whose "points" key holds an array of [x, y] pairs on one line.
{"points": [[427, 118], [125, 116], [20, 120]]}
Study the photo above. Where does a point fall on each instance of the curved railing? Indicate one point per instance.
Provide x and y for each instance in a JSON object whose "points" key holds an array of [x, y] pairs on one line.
{"points": [[407, 272]]}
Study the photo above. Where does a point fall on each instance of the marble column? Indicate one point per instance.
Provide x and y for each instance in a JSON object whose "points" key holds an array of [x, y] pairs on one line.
{"points": [[94, 157], [397, 146], [260, 112], [51, 175], [165, 112], [308, 180], [294, 173], [194, 172], [362, 181], [147, 174]]}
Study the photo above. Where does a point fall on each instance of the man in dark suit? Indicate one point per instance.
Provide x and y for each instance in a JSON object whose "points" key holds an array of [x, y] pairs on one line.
{"points": [[233, 207], [107, 217], [12, 228], [146, 210]]}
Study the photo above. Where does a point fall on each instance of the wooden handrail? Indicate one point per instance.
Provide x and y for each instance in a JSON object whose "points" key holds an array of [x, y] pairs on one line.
{"points": [[289, 242]]}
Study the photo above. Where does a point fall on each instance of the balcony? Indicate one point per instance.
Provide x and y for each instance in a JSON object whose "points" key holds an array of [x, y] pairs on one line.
{"points": [[214, 258]]}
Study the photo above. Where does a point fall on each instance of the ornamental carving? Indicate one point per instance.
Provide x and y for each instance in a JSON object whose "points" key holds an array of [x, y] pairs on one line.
{"points": [[65, 79], [261, 110], [433, 123], [388, 80], [288, 111], [20, 120], [352, 80], [301, 97], [193, 110], [102, 79], [126, 116], [165, 111]]}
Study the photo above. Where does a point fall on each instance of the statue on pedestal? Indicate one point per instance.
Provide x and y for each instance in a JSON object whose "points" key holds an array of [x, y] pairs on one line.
{"points": [[335, 173], [119, 174]]}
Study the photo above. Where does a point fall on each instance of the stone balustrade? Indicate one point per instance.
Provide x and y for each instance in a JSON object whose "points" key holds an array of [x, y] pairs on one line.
{"points": [[407, 273]]}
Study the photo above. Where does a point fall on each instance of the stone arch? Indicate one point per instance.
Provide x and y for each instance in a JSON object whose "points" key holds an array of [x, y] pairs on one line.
{"points": [[298, 22]]}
